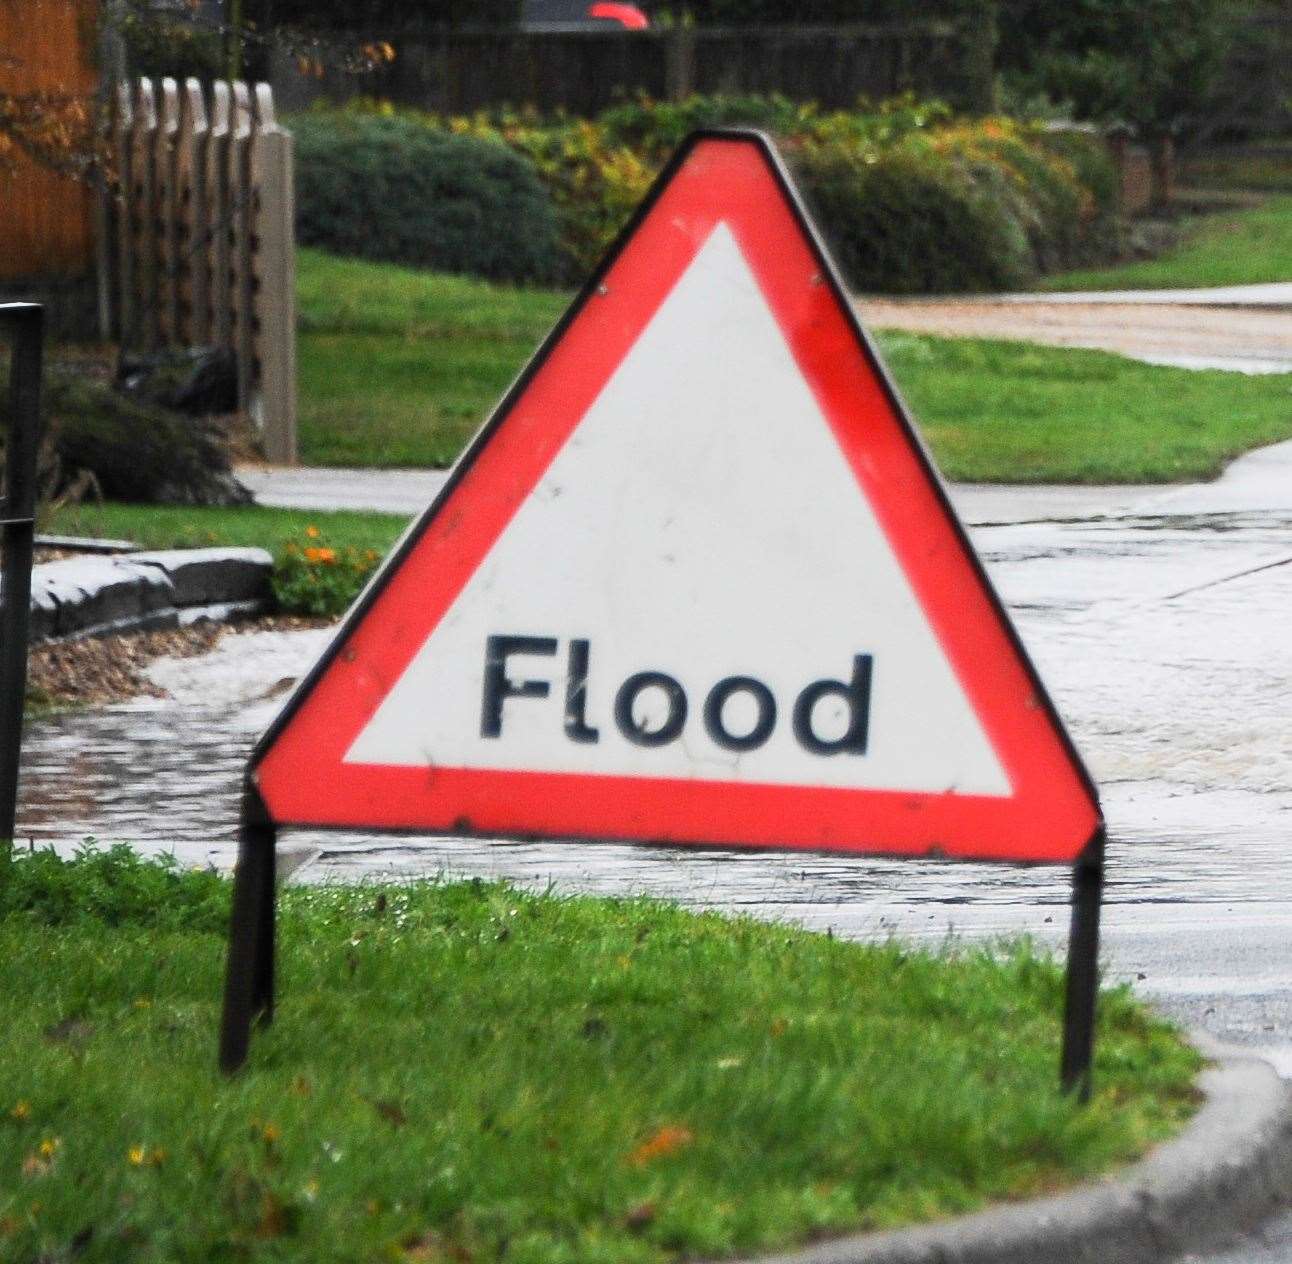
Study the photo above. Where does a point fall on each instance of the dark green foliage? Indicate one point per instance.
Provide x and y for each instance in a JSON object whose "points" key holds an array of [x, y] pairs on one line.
{"points": [[1148, 62], [115, 886], [914, 198], [381, 16], [392, 189], [658, 127], [135, 451], [794, 12], [904, 223], [157, 43]]}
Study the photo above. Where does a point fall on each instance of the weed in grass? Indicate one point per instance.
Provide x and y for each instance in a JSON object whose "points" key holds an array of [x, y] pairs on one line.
{"points": [[466, 1071], [313, 576]]}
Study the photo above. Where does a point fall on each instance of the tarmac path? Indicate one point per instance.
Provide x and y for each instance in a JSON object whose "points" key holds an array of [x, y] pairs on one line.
{"points": [[1243, 328]]}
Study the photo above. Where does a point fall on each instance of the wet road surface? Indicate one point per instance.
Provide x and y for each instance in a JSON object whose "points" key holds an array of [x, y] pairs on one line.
{"points": [[1247, 329], [1159, 621]]}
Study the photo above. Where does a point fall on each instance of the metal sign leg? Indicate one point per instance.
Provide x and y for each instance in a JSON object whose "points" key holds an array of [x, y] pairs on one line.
{"points": [[249, 981], [24, 321], [1083, 970]]}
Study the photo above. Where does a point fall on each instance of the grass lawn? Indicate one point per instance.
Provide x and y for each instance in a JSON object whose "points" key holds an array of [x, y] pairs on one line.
{"points": [[399, 367], [1021, 413], [188, 526], [1250, 167], [1244, 247], [468, 1073]]}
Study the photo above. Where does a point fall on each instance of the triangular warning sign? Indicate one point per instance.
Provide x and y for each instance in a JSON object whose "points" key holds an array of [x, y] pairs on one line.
{"points": [[695, 582]]}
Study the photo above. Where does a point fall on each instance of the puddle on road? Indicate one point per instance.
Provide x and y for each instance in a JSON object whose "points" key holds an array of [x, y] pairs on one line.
{"points": [[1180, 708]]}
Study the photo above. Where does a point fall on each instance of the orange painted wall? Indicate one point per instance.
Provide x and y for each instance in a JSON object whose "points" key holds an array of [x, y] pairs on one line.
{"points": [[46, 220]]}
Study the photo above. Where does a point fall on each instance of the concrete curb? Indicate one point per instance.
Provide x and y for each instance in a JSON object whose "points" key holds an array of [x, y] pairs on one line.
{"points": [[95, 596], [1229, 1170]]}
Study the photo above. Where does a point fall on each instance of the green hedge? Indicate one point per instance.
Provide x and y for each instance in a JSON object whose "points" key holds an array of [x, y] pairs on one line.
{"points": [[913, 199], [390, 188], [908, 224]]}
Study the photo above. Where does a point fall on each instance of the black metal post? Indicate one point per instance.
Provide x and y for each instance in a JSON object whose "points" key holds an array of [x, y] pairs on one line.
{"points": [[24, 322], [249, 981], [1083, 970]]}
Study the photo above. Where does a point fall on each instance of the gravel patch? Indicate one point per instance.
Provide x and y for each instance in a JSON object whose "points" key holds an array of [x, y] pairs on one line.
{"points": [[97, 671]]}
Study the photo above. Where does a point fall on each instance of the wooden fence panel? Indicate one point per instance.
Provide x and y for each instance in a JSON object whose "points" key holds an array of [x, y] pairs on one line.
{"points": [[204, 241], [125, 296], [168, 257], [143, 208], [220, 321], [193, 217], [460, 71], [46, 46], [241, 193]]}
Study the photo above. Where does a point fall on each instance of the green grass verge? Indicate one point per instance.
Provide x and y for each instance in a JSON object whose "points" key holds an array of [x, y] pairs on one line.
{"points": [[1017, 412], [1250, 168], [1246, 247], [466, 1072], [321, 560], [188, 526], [399, 367]]}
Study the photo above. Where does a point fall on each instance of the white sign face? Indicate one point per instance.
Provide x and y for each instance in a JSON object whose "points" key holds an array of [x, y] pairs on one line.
{"points": [[701, 523], [694, 582]]}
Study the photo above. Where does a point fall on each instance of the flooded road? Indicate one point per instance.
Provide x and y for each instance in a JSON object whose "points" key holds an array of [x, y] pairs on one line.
{"points": [[1159, 621]]}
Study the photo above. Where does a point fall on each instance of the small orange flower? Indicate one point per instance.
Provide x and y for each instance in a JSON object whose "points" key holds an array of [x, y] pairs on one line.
{"points": [[49, 1147], [22, 1110], [312, 532], [327, 555], [669, 1138], [136, 1154]]}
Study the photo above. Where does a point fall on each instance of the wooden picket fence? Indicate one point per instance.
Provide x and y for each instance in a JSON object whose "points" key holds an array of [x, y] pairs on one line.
{"points": [[197, 237]]}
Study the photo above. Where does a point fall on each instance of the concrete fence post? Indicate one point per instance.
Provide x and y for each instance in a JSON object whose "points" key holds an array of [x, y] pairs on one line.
{"points": [[275, 264]]}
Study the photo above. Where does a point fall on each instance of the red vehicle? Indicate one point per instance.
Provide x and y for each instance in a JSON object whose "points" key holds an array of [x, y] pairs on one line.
{"points": [[581, 15]]}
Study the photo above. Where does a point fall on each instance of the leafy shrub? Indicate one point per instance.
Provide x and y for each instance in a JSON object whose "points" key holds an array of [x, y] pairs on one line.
{"points": [[658, 127], [594, 182], [112, 885], [391, 188], [914, 199], [903, 222], [963, 205], [127, 449], [314, 577]]}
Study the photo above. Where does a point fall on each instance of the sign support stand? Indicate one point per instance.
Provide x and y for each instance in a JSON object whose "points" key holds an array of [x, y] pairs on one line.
{"points": [[634, 391], [24, 323], [249, 983], [1083, 970]]}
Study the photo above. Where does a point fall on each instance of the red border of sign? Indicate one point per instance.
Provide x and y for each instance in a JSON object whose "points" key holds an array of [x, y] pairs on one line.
{"points": [[299, 767]]}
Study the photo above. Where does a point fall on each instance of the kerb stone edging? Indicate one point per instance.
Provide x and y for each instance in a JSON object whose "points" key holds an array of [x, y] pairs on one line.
{"points": [[1230, 1169], [95, 595]]}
